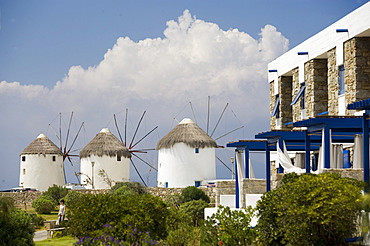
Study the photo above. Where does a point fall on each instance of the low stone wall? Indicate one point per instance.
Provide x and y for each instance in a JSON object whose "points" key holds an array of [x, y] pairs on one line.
{"points": [[22, 199]]}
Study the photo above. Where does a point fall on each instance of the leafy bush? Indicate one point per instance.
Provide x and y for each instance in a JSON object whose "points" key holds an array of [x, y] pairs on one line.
{"points": [[174, 200], [134, 187], [193, 193], [15, 224], [185, 235], [144, 212], [195, 209], [43, 205], [310, 209], [229, 227], [56, 192], [37, 220], [73, 198]]}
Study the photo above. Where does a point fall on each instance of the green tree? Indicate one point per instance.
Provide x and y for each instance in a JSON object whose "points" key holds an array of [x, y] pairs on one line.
{"points": [[195, 209], [231, 227], [15, 225], [56, 192], [310, 209], [130, 188], [43, 205], [142, 212], [193, 193]]}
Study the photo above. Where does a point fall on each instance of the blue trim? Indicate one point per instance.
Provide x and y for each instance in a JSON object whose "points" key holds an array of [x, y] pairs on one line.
{"points": [[276, 107], [323, 113], [300, 93], [326, 147], [307, 153], [268, 167], [273, 71], [302, 53], [246, 159], [360, 105], [289, 123], [365, 148], [236, 183], [341, 30], [281, 146]]}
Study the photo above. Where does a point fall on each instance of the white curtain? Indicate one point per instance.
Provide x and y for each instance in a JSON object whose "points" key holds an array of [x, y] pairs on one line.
{"points": [[240, 173], [357, 152], [336, 154], [285, 161]]}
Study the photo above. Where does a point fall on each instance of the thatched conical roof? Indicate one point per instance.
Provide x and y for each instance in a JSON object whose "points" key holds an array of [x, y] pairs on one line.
{"points": [[40, 146], [189, 133], [105, 143]]}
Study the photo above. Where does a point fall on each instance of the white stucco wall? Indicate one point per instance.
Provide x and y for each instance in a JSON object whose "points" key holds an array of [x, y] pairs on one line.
{"points": [[41, 172], [357, 23], [117, 171], [180, 166]]}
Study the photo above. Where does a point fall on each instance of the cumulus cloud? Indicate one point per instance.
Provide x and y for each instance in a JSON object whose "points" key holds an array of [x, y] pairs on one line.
{"points": [[195, 59]]}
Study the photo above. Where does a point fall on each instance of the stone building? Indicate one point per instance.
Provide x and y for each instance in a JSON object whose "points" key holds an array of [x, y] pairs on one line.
{"points": [[324, 74]]}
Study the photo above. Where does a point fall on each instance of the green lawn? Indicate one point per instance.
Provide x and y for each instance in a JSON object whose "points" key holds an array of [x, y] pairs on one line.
{"points": [[61, 241]]}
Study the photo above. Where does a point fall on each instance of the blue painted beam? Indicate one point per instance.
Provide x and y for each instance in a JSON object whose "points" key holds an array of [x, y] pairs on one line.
{"points": [[307, 153], [281, 146], [365, 148], [236, 182], [326, 147], [268, 168], [246, 160]]}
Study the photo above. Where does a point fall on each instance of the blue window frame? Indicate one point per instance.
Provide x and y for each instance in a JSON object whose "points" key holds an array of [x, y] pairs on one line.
{"points": [[196, 150], [301, 94], [166, 184], [275, 111], [196, 183], [341, 82]]}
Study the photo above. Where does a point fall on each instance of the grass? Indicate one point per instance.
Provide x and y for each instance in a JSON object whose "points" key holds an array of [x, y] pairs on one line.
{"points": [[61, 241]]}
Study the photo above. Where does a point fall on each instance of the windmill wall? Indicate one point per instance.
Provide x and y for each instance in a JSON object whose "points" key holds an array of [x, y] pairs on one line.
{"points": [[103, 172], [181, 165], [41, 171]]}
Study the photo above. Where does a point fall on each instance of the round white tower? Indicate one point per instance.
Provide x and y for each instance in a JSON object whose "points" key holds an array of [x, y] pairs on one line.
{"points": [[186, 156], [41, 165], [104, 161]]}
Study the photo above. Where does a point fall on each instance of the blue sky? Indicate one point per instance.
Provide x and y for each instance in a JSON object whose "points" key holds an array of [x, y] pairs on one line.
{"points": [[97, 58]]}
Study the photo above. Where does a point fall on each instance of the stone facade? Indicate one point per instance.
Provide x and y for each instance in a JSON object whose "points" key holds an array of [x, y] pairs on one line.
{"points": [[316, 94], [357, 70], [285, 93], [333, 86], [222, 187], [272, 103]]}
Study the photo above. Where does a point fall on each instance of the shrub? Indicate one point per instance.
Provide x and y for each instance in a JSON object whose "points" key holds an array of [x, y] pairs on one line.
{"points": [[15, 224], [193, 193], [195, 209], [37, 220], [135, 187], [144, 212], [56, 192], [310, 209], [43, 205], [229, 227], [73, 198]]}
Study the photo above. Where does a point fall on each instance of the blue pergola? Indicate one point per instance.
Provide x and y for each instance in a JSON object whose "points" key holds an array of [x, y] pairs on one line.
{"points": [[364, 105]]}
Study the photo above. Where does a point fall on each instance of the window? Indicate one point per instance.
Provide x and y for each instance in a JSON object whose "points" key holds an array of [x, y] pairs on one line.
{"points": [[275, 111], [54, 158], [118, 158], [23, 158], [166, 184], [196, 150], [342, 88], [301, 94], [24, 171], [196, 183]]}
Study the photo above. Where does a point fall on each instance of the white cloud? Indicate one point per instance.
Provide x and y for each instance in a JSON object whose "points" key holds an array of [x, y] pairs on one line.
{"points": [[195, 59]]}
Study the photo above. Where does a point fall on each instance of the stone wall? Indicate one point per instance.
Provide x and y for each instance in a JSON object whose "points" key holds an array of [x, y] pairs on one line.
{"points": [[272, 103], [357, 70], [316, 94], [22, 199], [285, 92], [296, 108], [223, 187], [333, 86]]}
